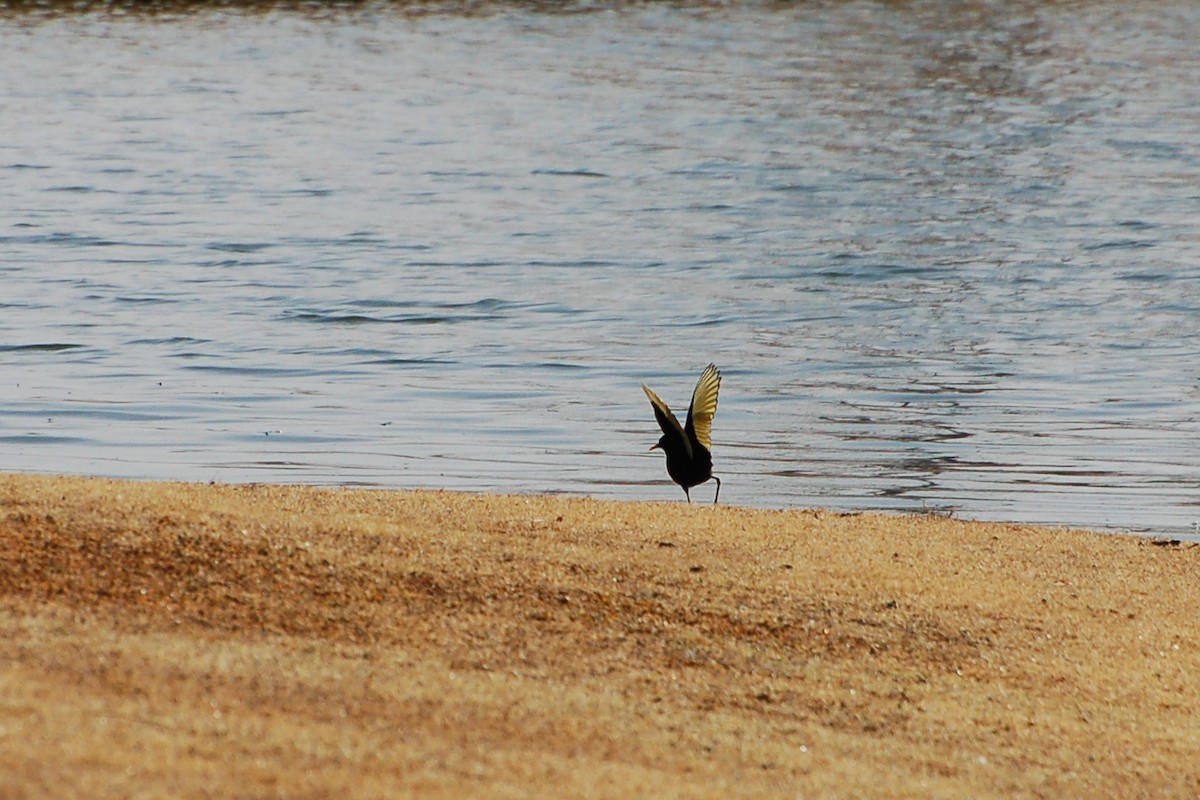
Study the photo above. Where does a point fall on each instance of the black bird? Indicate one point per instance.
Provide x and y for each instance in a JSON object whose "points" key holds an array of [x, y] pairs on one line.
{"points": [[689, 447]]}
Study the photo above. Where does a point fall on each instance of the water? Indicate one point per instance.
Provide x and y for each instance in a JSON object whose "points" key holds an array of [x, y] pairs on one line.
{"points": [[946, 255]]}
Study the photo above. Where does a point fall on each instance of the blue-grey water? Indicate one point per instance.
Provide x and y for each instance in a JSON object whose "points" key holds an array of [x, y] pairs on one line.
{"points": [[947, 255]]}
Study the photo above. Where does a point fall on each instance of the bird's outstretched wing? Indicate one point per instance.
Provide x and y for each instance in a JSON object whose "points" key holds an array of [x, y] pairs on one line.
{"points": [[666, 420], [704, 405]]}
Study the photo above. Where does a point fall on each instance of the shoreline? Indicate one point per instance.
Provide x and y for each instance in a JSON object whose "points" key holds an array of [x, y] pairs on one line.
{"points": [[196, 639]]}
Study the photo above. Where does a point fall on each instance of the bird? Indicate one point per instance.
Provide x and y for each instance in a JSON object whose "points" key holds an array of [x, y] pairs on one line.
{"points": [[689, 446]]}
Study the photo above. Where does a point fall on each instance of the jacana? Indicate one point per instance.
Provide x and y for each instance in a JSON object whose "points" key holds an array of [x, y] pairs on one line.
{"points": [[689, 446]]}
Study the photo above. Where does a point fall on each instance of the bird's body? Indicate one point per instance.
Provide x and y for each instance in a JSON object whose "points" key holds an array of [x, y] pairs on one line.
{"points": [[689, 446]]}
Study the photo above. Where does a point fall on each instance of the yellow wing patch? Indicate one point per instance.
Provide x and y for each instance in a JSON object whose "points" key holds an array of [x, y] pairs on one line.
{"points": [[662, 411], [704, 404]]}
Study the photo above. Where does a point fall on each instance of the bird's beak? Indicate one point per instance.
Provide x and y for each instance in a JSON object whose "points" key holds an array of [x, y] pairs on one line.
{"points": [[655, 447]]}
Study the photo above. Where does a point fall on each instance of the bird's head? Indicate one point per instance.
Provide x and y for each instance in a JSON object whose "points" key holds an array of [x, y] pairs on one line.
{"points": [[661, 444]]}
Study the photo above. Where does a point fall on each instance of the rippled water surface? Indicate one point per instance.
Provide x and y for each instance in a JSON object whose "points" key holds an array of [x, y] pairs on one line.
{"points": [[947, 255]]}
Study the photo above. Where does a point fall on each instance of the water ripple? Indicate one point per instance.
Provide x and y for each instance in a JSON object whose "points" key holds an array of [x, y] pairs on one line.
{"points": [[946, 262]]}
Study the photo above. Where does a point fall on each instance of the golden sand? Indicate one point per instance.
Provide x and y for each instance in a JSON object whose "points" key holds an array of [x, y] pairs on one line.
{"points": [[180, 640]]}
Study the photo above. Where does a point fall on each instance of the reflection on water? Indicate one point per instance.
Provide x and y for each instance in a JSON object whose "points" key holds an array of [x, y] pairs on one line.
{"points": [[946, 256]]}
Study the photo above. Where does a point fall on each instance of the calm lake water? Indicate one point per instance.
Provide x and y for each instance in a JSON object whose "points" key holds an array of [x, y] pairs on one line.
{"points": [[946, 255]]}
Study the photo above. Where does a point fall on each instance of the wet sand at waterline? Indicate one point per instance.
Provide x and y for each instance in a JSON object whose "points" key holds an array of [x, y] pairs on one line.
{"points": [[193, 640]]}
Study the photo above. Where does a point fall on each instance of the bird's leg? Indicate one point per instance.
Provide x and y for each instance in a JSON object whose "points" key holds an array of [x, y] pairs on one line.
{"points": [[718, 494], [688, 494]]}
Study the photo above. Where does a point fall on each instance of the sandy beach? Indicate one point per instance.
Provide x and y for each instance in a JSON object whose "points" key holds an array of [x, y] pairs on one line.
{"points": [[190, 640]]}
